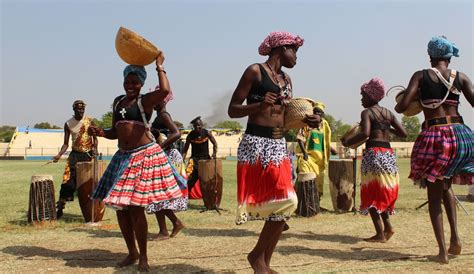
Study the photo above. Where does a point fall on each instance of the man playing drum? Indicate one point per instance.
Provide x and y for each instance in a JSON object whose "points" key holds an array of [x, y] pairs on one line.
{"points": [[199, 139], [84, 147]]}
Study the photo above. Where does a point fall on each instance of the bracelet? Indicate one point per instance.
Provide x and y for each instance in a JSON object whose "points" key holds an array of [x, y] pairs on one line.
{"points": [[161, 70]]}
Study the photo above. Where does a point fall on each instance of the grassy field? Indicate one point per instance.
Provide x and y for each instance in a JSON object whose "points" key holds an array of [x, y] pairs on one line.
{"points": [[211, 242]]}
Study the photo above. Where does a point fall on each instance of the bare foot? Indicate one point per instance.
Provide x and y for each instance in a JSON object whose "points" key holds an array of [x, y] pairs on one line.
{"points": [[440, 258], [286, 227], [376, 239], [129, 260], [143, 264], [177, 228], [257, 263], [454, 248], [388, 235], [271, 271], [162, 236]]}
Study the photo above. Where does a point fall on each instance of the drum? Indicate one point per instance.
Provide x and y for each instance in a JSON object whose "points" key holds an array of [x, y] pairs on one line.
{"points": [[42, 204], [307, 192], [85, 184], [210, 177], [341, 186], [351, 133]]}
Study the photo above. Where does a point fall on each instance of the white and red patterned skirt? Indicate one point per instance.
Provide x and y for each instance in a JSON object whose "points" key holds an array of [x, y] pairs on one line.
{"points": [[264, 186]]}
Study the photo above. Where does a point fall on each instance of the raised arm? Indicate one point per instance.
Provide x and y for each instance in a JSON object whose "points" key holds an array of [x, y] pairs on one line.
{"points": [[411, 92], [467, 88], [152, 98], [236, 108], [65, 145]]}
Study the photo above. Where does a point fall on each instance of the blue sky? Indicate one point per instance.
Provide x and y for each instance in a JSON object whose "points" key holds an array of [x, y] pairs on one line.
{"points": [[53, 52]]}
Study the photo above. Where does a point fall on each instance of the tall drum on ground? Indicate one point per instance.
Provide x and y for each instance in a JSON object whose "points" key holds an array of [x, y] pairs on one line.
{"points": [[341, 186], [210, 176], [42, 204], [85, 185], [307, 192]]}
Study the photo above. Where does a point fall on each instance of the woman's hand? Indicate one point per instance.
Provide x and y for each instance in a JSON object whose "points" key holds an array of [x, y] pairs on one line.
{"points": [[269, 99], [160, 59]]}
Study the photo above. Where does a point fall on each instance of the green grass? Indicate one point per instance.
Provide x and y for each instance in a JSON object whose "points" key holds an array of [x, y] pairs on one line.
{"points": [[211, 242]]}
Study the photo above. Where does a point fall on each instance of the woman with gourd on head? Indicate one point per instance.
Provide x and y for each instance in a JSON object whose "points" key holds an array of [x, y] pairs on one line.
{"points": [[139, 175], [443, 153]]}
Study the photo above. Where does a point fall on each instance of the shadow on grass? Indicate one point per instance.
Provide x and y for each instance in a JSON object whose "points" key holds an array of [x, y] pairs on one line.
{"points": [[99, 233], [180, 268], [308, 235], [67, 218], [361, 254], [86, 258], [210, 232]]}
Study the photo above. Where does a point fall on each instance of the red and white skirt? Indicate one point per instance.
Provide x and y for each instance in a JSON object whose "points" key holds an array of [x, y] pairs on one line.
{"points": [[380, 180], [264, 187]]}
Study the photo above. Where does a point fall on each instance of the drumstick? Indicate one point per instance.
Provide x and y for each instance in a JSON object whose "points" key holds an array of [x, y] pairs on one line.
{"points": [[47, 163]]}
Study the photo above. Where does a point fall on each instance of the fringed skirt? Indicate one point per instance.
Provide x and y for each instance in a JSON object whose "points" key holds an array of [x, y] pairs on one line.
{"points": [[140, 177], [264, 187], [443, 152], [380, 180]]}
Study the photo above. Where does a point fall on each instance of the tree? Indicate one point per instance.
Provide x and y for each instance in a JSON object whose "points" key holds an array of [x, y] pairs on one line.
{"points": [[228, 124], [338, 128], [46, 125], [106, 121], [6, 133], [412, 126]]}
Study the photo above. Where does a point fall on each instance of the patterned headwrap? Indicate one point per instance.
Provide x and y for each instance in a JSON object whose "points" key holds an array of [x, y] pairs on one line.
{"points": [[168, 97], [319, 105], [374, 89], [137, 70], [440, 47], [78, 102], [277, 39]]}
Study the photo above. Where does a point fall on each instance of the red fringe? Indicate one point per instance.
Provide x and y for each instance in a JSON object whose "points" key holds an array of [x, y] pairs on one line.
{"points": [[378, 196], [257, 185]]}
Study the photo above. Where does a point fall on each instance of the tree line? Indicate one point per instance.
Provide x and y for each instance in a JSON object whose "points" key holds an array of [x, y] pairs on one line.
{"points": [[338, 128]]}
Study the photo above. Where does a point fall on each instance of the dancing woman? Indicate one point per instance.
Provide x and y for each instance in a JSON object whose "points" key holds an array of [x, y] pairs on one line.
{"points": [[443, 153]]}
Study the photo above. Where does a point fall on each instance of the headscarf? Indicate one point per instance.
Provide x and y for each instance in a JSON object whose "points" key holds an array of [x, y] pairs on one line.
{"points": [[168, 97], [137, 70], [319, 105], [374, 89], [440, 47], [277, 39], [77, 103]]}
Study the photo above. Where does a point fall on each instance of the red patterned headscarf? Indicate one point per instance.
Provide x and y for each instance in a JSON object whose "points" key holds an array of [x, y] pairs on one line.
{"points": [[374, 89], [278, 39]]}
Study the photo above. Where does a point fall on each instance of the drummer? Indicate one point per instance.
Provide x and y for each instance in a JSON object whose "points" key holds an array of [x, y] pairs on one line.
{"points": [[199, 139], [84, 146], [315, 145], [380, 178]]}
